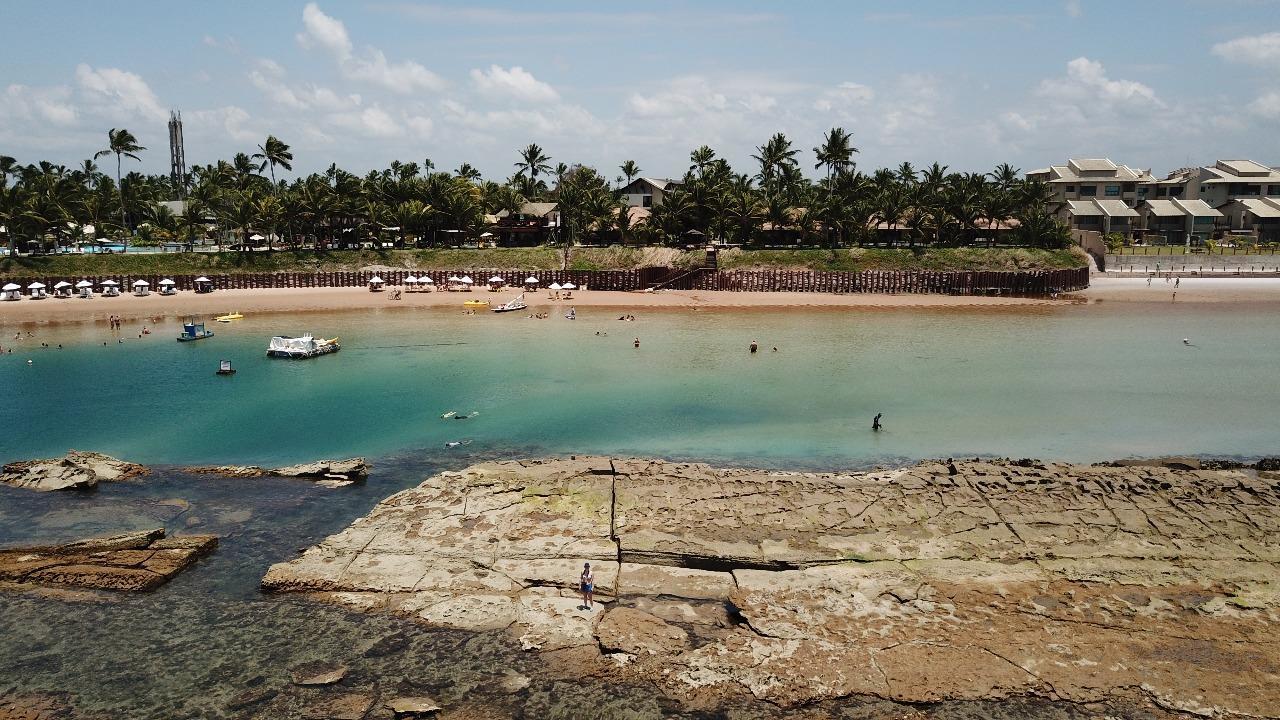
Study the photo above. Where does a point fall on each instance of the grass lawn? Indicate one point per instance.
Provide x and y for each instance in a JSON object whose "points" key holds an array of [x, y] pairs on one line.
{"points": [[543, 258]]}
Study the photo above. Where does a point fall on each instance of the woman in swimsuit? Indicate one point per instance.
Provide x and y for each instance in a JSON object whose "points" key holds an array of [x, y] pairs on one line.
{"points": [[587, 585]]}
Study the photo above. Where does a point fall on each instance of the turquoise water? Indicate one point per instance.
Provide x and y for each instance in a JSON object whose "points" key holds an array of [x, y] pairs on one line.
{"points": [[1072, 382]]}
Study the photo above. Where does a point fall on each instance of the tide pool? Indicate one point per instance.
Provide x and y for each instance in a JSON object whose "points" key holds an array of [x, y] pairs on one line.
{"points": [[1078, 383]]}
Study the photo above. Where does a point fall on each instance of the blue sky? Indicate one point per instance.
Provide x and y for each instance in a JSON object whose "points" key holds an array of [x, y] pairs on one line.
{"points": [[971, 85]]}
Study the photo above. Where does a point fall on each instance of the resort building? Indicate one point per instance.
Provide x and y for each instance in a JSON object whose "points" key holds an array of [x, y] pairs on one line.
{"points": [[1244, 193], [647, 192], [1094, 193], [1177, 221], [1259, 217], [535, 224]]}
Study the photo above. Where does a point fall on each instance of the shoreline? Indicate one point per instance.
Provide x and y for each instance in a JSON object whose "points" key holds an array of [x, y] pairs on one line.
{"points": [[1102, 289]]}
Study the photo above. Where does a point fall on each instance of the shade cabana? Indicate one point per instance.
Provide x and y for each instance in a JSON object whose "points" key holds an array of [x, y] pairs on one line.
{"points": [[496, 283], [141, 288], [37, 291], [531, 281], [569, 286], [465, 282], [11, 291], [203, 284], [427, 283], [376, 284], [167, 287], [110, 288], [62, 289], [411, 283], [85, 289]]}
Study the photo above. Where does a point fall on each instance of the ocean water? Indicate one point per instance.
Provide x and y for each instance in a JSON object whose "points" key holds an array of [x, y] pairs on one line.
{"points": [[1074, 382], [1078, 383]]}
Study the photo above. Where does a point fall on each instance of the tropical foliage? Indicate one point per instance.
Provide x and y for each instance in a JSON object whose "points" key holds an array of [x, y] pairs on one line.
{"points": [[243, 203]]}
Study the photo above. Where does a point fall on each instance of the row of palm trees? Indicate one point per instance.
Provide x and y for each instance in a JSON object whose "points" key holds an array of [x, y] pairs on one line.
{"points": [[411, 202]]}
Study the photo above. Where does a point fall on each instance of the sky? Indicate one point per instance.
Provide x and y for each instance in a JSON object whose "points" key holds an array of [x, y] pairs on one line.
{"points": [[967, 84]]}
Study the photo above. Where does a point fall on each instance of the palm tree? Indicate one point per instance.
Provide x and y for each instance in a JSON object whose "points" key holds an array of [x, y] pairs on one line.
{"points": [[630, 170], [774, 155], [272, 153], [533, 161], [701, 159], [122, 144], [467, 172], [835, 152]]}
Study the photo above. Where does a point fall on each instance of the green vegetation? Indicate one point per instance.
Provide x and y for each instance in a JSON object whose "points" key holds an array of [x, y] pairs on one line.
{"points": [[241, 202], [530, 259]]}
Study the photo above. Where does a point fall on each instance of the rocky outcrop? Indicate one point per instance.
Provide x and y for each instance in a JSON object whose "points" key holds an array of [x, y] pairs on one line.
{"points": [[133, 561], [75, 471], [984, 580], [339, 471]]}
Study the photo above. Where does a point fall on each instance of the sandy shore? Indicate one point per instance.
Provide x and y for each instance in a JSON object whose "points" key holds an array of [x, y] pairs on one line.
{"points": [[328, 299], [128, 307]]}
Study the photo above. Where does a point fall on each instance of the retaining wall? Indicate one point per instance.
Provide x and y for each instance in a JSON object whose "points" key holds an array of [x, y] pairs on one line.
{"points": [[1033, 282]]}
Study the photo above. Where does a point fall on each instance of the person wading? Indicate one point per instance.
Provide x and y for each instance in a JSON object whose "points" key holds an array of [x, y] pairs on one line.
{"points": [[875, 422]]}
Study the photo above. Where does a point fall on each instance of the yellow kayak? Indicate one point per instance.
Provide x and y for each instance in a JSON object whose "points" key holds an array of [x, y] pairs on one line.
{"points": [[229, 318], [476, 303]]}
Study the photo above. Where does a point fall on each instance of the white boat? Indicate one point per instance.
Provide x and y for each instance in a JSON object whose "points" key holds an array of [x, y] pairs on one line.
{"points": [[516, 303], [296, 348]]}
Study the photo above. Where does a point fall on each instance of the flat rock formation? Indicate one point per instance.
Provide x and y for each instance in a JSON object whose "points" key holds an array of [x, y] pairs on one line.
{"points": [[133, 561], [341, 471], [76, 471], [979, 580]]}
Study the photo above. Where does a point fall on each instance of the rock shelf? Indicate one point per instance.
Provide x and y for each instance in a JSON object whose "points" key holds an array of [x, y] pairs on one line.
{"points": [[133, 561], [982, 580], [337, 471], [76, 471]]}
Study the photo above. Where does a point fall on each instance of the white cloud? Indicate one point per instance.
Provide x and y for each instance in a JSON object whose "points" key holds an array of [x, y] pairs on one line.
{"points": [[371, 122], [330, 35], [1261, 50], [44, 105], [514, 84], [269, 77], [227, 121], [1087, 86], [1074, 9], [120, 93], [844, 98], [1267, 106]]}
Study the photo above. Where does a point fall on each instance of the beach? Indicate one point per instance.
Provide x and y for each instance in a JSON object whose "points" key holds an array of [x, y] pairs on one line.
{"points": [[286, 300]]}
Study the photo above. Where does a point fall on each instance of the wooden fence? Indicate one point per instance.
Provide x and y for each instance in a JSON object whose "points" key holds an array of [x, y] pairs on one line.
{"points": [[1030, 282]]}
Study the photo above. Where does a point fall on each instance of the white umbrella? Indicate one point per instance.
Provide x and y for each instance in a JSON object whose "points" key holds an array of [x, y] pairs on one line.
{"points": [[454, 278], [496, 279], [411, 280], [167, 281], [375, 280], [84, 284], [531, 280], [569, 286], [256, 238], [61, 284], [141, 283], [555, 286], [11, 286], [466, 280], [35, 286], [108, 283], [203, 279], [427, 280]]}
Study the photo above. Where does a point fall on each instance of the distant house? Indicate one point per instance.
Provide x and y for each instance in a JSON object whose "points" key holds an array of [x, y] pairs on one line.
{"points": [[1094, 193], [648, 192], [1178, 221], [1242, 192], [1259, 217], [534, 224]]}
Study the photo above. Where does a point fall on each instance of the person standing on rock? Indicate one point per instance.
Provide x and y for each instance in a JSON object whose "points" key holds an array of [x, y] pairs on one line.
{"points": [[587, 584]]}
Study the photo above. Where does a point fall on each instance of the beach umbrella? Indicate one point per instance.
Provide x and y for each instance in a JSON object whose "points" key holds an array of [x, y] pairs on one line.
{"points": [[141, 283], [167, 281], [11, 286], [496, 279], [531, 280], [35, 286], [466, 280], [411, 280], [454, 279], [555, 286], [256, 237], [61, 284], [375, 280], [569, 286], [201, 279], [108, 283], [427, 280], [84, 284]]}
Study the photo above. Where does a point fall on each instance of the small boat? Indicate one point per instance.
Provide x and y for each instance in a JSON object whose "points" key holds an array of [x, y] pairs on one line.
{"points": [[229, 317], [192, 330], [297, 348], [516, 303], [571, 315], [224, 368], [476, 303]]}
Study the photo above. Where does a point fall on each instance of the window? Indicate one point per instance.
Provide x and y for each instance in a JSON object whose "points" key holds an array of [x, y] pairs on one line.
{"points": [[1175, 192], [1088, 191], [646, 201], [1142, 192], [1252, 189], [1072, 188], [1161, 192], [1273, 191], [1128, 187], [1113, 191]]}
